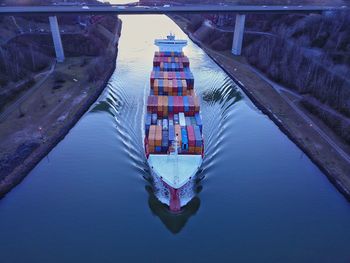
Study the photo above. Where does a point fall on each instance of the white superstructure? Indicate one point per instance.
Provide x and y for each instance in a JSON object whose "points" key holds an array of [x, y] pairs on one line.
{"points": [[170, 44]]}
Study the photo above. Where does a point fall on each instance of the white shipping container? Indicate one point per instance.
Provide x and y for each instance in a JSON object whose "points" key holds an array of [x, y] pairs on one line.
{"points": [[165, 125], [182, 119]]}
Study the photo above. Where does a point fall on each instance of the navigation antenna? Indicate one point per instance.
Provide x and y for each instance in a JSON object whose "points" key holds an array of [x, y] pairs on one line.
{"points": [[171, 36]]}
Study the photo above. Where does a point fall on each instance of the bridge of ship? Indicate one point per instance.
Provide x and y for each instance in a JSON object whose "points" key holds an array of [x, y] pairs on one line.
{"points": [[239, 10]]}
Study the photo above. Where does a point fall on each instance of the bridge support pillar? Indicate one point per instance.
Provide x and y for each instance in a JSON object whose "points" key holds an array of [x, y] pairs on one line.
{"points": [[238, 35], [56, 38]]}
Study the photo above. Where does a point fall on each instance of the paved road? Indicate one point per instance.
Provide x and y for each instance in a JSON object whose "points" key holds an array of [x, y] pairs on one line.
{"points": [[14, 106], [15, 22], [123, 9]]}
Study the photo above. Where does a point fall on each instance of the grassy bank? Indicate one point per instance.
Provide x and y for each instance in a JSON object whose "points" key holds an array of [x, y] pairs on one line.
{"points": [[285, 114], [53, 108]]}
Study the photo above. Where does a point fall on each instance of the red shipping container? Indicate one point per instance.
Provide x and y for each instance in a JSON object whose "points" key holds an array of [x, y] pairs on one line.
{"points": [[174, 82], [149, 104], [191, 136], [171, 116], [154, 104], [196, 103], [181, 103], [191, 104], [176, 104]]}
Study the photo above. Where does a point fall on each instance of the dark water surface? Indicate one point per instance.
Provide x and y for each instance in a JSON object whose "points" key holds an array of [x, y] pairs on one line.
{"points": [[260, 200]]}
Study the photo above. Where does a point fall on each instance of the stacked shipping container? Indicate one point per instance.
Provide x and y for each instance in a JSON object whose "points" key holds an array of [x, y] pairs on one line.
{"points": [[164, 105], [173, 107], [173, 75]]}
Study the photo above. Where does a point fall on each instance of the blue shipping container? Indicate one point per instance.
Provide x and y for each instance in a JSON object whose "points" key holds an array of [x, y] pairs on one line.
{"points": [[188, 121], [170, 103], [154, 118], [186, 104], [176, 118], [148, 119], [198, 121], [184, 144], [171, 133], [198, 136]]}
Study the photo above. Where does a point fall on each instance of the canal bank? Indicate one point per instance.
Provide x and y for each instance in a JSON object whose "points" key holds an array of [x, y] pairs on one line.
{"points": [[88, 200], [283, 112], [63, 110]]}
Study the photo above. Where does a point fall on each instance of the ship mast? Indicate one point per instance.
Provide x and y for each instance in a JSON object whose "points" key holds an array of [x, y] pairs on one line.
{"points": [[175, 156]]}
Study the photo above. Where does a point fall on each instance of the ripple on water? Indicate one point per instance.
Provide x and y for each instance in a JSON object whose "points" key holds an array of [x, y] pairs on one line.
{"points": [[217, 93]]}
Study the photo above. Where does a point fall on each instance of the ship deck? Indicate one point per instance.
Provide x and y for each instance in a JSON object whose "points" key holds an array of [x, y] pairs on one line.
{"points": [[176, 171]]}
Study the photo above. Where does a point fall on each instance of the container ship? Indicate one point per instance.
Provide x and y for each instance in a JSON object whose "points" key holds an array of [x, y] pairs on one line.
{"points": [[174, 145]]}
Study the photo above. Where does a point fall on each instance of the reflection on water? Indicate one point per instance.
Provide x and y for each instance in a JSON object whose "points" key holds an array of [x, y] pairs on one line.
{"points": [[103, 106], [173, 222], [225, 94]]}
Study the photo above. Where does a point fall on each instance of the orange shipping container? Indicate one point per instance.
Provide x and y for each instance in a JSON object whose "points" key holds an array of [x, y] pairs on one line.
{"points": [[165, 104], [151, 140], [196, 103], [151, 149], [151, 135], [166, 84], [152, 129], [170, 85], [159, 103], [158, 136]]}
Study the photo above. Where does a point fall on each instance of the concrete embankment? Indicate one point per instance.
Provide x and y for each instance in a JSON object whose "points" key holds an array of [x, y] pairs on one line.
{"points": [[282, 112], [55, 108]]}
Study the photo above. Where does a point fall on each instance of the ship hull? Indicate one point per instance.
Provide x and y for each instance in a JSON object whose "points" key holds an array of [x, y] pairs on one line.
{"points": [[176, 173], [174, 198], [174, 142]]}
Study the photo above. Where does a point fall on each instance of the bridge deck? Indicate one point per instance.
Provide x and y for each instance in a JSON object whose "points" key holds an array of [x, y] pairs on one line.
{"points": [[121, 9]]}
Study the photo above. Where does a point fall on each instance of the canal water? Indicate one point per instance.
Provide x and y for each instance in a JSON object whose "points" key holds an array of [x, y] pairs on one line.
{"points": [[259, 198]]}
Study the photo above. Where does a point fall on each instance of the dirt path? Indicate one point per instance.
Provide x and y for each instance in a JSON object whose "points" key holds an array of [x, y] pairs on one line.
{"points": [[16, 105], [302, 114]]}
